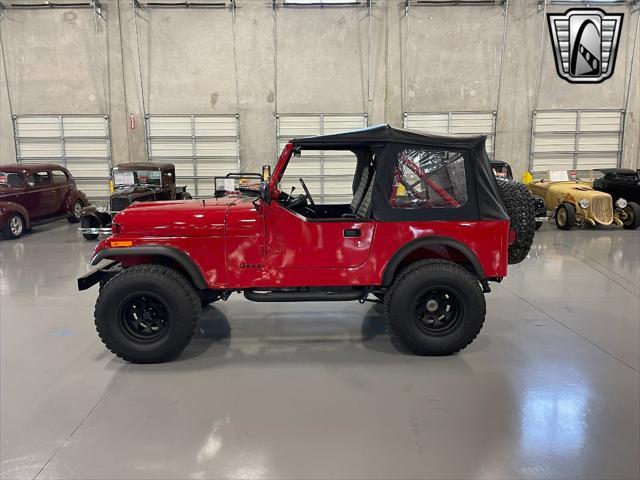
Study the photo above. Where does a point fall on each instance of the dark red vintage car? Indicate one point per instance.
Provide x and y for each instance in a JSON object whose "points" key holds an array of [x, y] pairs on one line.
{"points": [[34, 194]]}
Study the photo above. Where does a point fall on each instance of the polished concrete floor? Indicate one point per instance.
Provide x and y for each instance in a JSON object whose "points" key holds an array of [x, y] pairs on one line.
{"points": [[550, 389]]}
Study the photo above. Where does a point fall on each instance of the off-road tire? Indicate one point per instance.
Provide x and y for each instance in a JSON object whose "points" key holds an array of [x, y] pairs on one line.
{"points": [[74, 214], [633, 216], [89, 222], [181, 304], [519, 204], [8, 231], [404, 295], [570, 213]]}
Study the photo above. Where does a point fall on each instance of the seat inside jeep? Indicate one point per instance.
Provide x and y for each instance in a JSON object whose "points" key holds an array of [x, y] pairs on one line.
{"points": [[361, 205]]}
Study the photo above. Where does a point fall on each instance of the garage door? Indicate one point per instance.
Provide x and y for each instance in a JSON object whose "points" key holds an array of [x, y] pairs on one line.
{"points": [[79, 142], [200, 146], [576, 139], [466, 123], [328, 174]]}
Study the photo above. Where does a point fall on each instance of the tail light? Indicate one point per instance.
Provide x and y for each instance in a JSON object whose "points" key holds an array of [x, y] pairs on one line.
{"points": [[513, 236]]}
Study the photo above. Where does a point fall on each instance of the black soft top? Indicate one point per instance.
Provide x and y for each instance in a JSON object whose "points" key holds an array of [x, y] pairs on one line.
{"points": [[384, 142], [380, 134]]}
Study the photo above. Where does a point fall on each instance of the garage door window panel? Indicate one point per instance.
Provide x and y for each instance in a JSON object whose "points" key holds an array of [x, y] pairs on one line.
{"points": [[81, 143], [576, 139], [200, 146]]}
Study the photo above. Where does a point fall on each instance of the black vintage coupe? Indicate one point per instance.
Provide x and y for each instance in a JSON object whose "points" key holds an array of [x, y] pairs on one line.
{"points": [[619, 183], [131, 182]]}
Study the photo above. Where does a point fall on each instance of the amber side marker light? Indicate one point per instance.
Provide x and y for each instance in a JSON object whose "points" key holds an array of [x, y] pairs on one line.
{"points": [[125, 243]]}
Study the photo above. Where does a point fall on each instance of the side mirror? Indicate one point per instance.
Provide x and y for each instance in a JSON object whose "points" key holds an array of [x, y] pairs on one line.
{"points": [[265, 191]]}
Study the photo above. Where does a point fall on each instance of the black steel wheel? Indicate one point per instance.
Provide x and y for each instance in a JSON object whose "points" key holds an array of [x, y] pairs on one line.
{"points": [[631, 216], [436, 308], [147, 313], [144, 317]]}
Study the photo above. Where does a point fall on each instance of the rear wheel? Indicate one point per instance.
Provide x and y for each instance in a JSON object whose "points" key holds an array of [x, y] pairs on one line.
{"points": [[185, 196], [437, 308], [565, 216], [74, 214], [15, 227], [519, 204], [631, 219], [147, 313]]}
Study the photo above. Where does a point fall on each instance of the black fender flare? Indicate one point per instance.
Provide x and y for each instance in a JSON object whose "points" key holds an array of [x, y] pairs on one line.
{"points": [[172, 253], [405, 250]]}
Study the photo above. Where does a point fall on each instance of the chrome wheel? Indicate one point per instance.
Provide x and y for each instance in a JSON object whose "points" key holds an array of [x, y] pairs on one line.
{"points": [[77, 208], [561, 217], [16, 225]]}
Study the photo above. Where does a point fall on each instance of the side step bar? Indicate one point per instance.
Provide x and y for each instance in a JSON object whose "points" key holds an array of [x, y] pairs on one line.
{"points": [[303, 296]]}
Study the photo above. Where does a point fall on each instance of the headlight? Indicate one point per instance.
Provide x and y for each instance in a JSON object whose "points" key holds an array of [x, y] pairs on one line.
{"points": [[621, 203], [584, 204]]}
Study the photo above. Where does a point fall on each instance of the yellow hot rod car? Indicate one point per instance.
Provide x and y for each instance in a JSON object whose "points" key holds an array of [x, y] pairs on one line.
{"points": [[571, 201]]}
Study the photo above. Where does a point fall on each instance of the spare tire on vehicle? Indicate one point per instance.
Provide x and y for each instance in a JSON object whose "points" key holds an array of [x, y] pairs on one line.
{"points": [[519, 204]]}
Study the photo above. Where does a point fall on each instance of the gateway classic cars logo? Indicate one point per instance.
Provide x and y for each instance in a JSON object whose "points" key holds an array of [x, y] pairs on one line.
{"points": [[585, 42]]}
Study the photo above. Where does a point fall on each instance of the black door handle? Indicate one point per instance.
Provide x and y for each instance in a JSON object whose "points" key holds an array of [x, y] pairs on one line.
{"points": [[351, 232]]}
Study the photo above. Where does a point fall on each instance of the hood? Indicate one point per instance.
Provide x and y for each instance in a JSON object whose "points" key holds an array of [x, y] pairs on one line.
{"points": [[579, 191], [177, 218]]}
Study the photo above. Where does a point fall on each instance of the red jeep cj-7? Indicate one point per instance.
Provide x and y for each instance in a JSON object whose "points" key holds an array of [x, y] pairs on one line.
{"points": [[428, 228]]}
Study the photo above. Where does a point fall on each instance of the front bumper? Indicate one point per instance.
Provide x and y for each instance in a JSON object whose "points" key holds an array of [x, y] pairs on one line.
{"points": [[97, 275], [95, 230]]}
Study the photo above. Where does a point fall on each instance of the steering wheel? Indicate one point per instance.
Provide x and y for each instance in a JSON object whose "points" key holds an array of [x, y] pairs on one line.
{"points": [[307, 193]]}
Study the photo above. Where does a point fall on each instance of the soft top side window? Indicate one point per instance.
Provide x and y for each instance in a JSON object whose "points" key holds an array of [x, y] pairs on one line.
{"points": [[429, 178]]}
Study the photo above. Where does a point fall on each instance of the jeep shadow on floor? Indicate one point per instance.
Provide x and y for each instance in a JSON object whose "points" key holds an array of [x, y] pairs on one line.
{"points": [[260, 337]]}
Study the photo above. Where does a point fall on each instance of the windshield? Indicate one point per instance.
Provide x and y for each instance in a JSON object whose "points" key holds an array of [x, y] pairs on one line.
{"points": [[136, 177], [11, 179]]}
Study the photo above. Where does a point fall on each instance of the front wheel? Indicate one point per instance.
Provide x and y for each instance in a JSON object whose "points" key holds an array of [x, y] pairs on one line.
{"points": [[437, 308], [14, 228], [147, 313], [566, 216], [89, 222]]}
